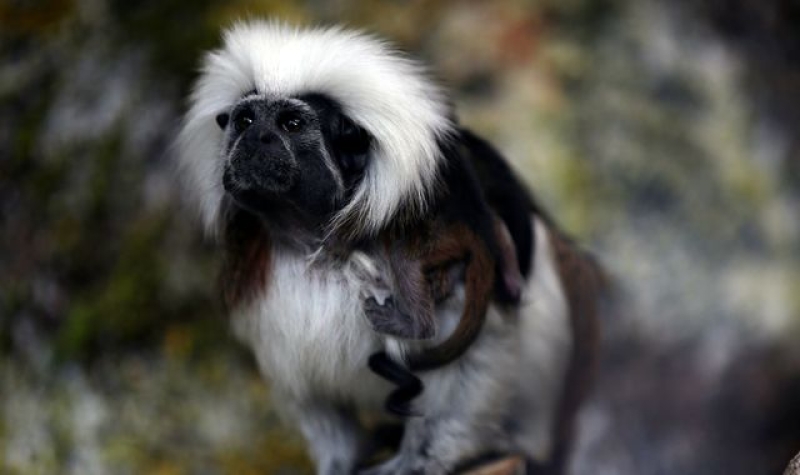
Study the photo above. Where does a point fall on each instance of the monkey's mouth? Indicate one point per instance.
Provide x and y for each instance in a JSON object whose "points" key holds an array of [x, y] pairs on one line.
{"points": [[278, 207], [256, 173], [247, 195], [275, 188]]}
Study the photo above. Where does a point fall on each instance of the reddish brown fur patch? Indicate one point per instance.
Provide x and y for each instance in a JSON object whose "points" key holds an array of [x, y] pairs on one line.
{"points": [[584, 282], [245, 271]]}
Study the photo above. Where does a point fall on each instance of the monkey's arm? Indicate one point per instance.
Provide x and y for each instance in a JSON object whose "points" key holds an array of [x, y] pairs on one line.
{"points": [[333, 433]]}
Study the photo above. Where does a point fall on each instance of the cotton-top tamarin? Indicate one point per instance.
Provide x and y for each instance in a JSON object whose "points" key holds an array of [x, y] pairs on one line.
{"points": [[359, 219]]}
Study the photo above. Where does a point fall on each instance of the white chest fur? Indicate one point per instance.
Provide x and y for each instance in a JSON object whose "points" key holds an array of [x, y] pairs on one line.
{"points": [[309, 332]]}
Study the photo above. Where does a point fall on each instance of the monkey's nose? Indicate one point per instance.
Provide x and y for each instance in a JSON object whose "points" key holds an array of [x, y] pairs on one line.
{"points": [[267, 137]]}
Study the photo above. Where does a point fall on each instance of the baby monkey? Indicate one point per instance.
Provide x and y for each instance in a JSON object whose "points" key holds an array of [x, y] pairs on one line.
{"points": [[411, 274]]}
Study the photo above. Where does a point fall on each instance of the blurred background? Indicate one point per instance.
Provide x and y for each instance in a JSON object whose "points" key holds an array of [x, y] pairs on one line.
{"points": [[664, 135]]}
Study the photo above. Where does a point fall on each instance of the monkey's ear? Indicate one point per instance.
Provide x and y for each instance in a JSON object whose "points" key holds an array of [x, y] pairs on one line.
{"points": [[222, 120], [351, 144], [509, 280]]}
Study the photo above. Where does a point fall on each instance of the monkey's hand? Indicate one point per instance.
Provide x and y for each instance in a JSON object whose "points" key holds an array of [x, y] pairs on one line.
{"points": [[443, 279], [389, 319]]}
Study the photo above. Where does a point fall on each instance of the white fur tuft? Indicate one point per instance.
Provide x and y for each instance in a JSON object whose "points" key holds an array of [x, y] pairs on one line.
{"points": [[379, 88]]}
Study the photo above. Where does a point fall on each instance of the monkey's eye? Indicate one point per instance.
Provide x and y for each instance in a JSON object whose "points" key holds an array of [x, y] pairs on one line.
{"points": [[243, 120], [290, 122]]}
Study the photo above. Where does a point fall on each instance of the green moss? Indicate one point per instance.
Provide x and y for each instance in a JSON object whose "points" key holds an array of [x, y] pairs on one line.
{"points": [[124, 307]]}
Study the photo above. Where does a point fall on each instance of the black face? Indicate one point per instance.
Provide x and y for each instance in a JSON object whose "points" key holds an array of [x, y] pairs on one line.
{"points": [[298, 158]]}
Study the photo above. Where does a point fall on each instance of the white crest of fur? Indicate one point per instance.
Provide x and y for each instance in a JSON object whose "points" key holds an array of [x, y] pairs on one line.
{"points": [[383, 91]]}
